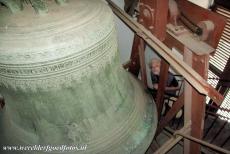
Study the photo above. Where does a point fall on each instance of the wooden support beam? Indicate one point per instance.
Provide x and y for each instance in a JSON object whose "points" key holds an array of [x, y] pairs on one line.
{"points": [[173, 141], [153, 16], [134, 68], [181, 67], [161, 86], [195, 102], [161, 18], [141, 49], [168, 145], [170, 114], [201, 142]]}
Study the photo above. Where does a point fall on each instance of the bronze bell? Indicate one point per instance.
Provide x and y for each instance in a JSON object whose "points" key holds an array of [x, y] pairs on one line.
{"points": [[63, 84]]}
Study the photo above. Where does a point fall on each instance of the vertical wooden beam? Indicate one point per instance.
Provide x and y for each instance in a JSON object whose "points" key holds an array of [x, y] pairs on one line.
{"points": [[161, 18], [134, 67], [153, 16], [170, 114], [161, 86], [194, 101], [142, 63]]}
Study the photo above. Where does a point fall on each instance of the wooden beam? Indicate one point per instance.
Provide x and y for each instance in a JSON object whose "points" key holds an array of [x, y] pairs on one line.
{"points": [[142, 63], [189, 74], [161, 18], [134, 68], [161, 86], [153, 16], [170, 114], [173, 141], [195, 102], [201, 142]]}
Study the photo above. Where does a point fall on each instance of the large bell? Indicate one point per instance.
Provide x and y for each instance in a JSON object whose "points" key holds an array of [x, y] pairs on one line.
{"points": [[63, 83]]}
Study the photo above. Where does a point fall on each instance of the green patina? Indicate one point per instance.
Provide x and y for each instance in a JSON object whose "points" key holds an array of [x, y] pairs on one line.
{"points": [[14, 5], [39, 5], [91, 100]]}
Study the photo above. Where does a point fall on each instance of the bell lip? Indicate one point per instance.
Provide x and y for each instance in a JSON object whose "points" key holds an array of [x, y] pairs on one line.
{"points": [[143, 147]]}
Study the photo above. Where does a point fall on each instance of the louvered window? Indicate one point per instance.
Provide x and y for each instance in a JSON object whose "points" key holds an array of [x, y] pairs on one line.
{"points": [[213, 81], [225, 105], [219, 61]]}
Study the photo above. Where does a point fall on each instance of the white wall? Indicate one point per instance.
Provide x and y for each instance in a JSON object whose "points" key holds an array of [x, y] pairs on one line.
{"points": [[203, 3], [125, 36]]}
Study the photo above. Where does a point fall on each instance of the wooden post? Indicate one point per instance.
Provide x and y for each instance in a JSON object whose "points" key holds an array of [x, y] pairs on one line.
{"points": [[194, 101], [170, 114], [142, 63], [153, 16], [161, 86]]}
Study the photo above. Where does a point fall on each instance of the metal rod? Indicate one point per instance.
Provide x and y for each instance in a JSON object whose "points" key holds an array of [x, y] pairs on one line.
{"points": [[189, 74], [192, 26], [214, 147]]}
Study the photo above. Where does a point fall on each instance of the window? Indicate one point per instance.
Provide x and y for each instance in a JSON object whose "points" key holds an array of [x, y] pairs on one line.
{"points": [[219, 61], [225, 105]]}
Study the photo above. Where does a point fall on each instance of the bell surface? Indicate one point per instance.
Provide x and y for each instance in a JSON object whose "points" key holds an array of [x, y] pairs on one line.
{"points": [[63, 83]]}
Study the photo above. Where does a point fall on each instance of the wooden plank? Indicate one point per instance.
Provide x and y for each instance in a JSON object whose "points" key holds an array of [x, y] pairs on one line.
{"points": [[170, 114], [169, 144], [174, 140], [150, 18], [181, 67], [161, 14], [204, 143], [195, 102], [172, 42], [134, 67], [161, 86], [192, 42], [142, 63]]}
